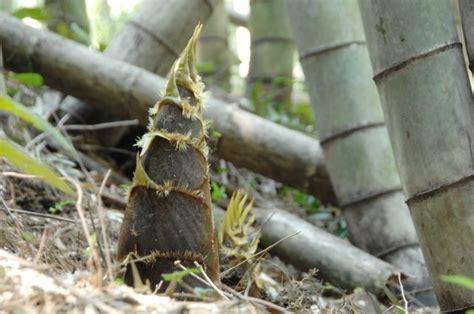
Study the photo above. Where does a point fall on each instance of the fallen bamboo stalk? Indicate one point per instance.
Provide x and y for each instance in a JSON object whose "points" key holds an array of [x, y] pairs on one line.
{"points": [[247, 140], [336, 260]]}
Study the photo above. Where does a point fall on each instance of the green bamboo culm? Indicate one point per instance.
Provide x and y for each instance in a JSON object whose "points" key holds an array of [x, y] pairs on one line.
{"points": [[169, 215], [427, 101]]}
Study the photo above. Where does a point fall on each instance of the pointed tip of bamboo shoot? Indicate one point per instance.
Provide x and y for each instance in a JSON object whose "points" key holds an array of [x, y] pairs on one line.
{"points": [[186, 70], [171, 87]]}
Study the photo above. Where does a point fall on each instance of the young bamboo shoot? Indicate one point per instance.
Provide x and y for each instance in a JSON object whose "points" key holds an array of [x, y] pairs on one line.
{"points": [[169, 216]]}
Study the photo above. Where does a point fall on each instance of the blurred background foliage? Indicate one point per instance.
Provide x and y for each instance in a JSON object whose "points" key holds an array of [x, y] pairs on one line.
{"points": [[95, 22]]}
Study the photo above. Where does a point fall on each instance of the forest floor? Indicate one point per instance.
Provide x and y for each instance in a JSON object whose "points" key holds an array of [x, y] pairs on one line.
{"points": [[57, 253], [46, 263]]}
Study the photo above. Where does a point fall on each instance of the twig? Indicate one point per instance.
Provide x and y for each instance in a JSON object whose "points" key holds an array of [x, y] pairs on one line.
{"points": [[84, 225], [41, 246], [9, 210], [207, 282], [99, 126], [36, 140], [405, 302], [219, 291], [192, 296], [100, 210], [178, 263], [20, 175], [42, 215], [279, 309], [91, 147]]}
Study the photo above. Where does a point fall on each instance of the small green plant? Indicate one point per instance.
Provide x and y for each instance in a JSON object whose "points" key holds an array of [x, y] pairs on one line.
{"points": [[266, 104], [308, 202], [37, 13], [177, 278], [59, 206], [29, 79], [217, 192], [88, 250], [27, 236], [180, 275], [236, 240], [394, 301]]}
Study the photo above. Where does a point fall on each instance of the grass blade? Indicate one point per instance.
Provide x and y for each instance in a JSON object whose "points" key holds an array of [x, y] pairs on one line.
{"points": [[9, 105], [21, 160]]}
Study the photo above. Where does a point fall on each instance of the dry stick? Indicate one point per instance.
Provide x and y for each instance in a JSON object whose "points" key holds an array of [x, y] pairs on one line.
{"points": [[211, 283], [41, 246], [405, 302], [80, 211], [100, 210], [100, 126], [10, 213], [20, 175], [41, 215], [231, 291], [90, 147], [178, 263]]}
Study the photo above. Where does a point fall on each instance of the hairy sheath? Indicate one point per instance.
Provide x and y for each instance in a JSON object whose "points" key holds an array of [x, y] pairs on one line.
{"points": [[169, 214]]}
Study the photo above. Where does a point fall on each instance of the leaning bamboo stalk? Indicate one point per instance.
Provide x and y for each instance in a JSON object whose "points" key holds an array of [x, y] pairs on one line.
{"points": [[427, 102], [272, 51], [335, 60], [247, 140]]}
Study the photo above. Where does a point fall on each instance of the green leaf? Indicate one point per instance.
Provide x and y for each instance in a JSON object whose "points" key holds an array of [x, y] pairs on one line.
{"points": [[29, 79], [179, 275], [87, 252], [391, 296], [217, 192], [9, 105], [216, 134], [460, 281], [20, 159], [206, 68], [27, 236], [59, 206], [119, 281], [38, 13]]}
